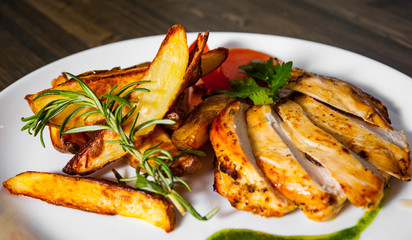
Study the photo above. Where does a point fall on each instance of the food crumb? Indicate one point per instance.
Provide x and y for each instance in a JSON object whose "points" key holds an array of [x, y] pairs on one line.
{"points": [[405, 204]]}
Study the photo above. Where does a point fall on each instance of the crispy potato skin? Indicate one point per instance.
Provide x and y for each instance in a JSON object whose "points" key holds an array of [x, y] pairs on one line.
{"points": [[184, 165], [94, 195], [178, 111], [212, 59], [194, 132], [237, 177], [194, 69], [96, 154], [68, 143]]}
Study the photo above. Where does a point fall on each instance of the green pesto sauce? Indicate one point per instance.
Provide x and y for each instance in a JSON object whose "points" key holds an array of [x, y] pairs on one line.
{"points": [[352, 233]]}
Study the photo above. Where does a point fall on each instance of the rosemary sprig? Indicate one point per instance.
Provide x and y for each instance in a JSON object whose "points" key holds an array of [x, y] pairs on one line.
{"points": [[157, 177]]}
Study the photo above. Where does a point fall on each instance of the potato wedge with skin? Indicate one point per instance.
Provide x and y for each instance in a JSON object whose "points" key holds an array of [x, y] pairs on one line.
{"points": [[193, 133], [237, 175], [68, 143], [100, 83], [94, 195], [212, 59], [194, 70], [166, 74], [184, 165], [178, 111]]}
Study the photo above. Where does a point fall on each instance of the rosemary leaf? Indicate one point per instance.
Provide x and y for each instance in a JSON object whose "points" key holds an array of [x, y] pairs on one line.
{"points": [[157, 176]]}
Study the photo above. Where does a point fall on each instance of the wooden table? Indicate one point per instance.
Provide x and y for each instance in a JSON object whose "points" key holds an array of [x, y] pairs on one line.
{"points": [[34, 33]]}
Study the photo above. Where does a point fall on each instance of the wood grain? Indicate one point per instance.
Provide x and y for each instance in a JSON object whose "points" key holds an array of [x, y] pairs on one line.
{"points": [[34, 33]]}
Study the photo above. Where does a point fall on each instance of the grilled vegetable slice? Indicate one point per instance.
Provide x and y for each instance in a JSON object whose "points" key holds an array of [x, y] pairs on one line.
{"points": [[94, 195], [341, 95], [361, 185], [237, 175], [283, 169]]}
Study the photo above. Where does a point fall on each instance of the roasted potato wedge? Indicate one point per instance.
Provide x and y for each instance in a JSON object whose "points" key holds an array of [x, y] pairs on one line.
{"points": [[100, 83], [166, 73], [194, 132], [194, 70], [94, 195], [68, 143], [178, 111], [184, 165], [212, 59]]}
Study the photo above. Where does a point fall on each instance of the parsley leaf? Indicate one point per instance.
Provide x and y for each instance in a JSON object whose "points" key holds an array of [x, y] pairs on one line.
{"points": [[250, 89], [273, 75]]}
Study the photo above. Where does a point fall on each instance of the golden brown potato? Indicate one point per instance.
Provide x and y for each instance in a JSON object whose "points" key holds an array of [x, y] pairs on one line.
{"points": [[59, 80], [184, 165], [194, 132], [68, 143], [166, 73], [94, 195], [101, 82], [210, 61]]}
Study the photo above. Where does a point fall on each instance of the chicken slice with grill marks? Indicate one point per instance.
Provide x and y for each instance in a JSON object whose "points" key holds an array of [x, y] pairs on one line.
{"points": [[381, 153], [285, 172], [237, 176], [341, 95], [361, 185]]}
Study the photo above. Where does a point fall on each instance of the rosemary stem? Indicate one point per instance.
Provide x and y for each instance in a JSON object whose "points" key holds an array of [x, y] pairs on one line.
{"points": [[176, 202]]}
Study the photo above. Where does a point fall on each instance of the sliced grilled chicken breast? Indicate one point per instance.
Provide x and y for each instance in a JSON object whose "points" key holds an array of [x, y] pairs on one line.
{"points": [[284, 171], [384, 155], [341, 95], [237, 176], [361, 185]]}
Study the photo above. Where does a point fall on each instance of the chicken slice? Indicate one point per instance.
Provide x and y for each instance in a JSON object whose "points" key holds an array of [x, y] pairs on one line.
{"points": [[341, 95], [382, 154], [237, 176], [284, 171], [361, 185]]}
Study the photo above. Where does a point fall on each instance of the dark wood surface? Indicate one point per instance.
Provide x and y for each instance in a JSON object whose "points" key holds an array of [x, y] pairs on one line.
{"points": [[34, 33]]}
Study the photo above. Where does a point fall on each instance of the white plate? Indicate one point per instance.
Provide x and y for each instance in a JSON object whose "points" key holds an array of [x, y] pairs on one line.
{"points": [[21, 152]]}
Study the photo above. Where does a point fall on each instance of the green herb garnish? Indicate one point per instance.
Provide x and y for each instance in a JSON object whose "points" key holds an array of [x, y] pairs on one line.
{"points": [[274, 77], [350, 233], [158, 177]]}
